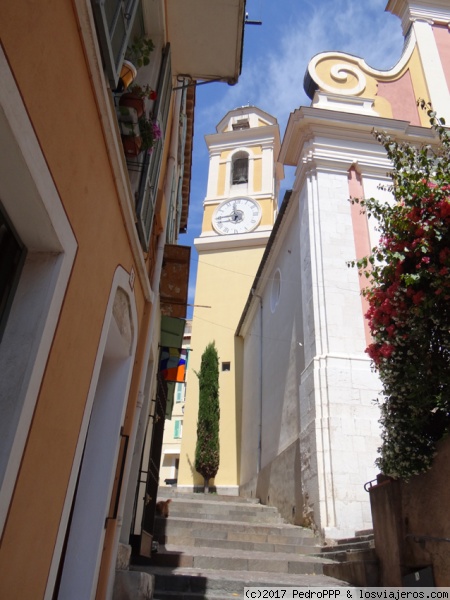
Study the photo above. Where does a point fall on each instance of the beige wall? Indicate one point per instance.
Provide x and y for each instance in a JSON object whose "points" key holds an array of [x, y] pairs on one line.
{"points": [[223, 282]]}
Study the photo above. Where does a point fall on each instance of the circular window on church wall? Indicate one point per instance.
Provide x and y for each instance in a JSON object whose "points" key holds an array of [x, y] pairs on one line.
{"points": [[276, 290]]}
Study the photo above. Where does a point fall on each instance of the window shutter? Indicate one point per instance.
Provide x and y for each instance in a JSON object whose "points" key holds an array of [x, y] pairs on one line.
{"points": [[145, 206], [114, 20], [179, 393], [177, 429]]}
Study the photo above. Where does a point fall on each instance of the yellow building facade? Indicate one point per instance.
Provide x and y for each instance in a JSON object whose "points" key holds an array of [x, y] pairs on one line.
{"points": [[240, 208]]}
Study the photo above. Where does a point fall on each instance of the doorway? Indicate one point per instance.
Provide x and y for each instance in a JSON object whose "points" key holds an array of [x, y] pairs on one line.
{"points": [[81, 559]]}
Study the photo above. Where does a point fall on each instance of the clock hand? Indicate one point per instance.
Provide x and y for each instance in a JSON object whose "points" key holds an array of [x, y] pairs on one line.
{"points": [[238, 216]]}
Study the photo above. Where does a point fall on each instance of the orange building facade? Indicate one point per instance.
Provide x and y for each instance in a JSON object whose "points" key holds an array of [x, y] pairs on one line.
{"points": [[85, 228]]}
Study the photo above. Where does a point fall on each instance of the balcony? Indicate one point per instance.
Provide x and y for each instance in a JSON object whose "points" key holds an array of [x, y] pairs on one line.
{"points": [[190, 40]]}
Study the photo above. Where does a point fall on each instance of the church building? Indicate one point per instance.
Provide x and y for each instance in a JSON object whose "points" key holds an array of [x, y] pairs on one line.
{"points": [[299, 418], [310, 429]]}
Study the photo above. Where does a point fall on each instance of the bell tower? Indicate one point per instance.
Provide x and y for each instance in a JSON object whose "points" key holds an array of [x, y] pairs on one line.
{"points": [[239, 211], [243, 180]]}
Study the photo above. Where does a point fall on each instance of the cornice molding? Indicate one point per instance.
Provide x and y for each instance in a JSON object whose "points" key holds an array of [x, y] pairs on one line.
{"points": [[215, 242], [306, 124], [430, 11], [228, 140]]}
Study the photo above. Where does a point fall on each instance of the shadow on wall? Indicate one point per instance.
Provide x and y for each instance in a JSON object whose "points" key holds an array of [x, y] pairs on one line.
{"points": [[279, 484]]}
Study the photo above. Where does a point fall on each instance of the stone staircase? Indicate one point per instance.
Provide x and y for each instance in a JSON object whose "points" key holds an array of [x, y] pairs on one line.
{"points": [[211, 547], [354, 560]]}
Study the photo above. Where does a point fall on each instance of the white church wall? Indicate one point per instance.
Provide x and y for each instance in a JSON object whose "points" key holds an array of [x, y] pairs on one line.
{"points": [[251, 407], [340, 433], [276, 480]]}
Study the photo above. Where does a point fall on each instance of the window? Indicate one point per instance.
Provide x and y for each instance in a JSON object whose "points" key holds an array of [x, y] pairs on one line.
{"points": [[179, 388], [114, 20], [177, 429], [148, 187], [12, 256], [226, 366], [276, 290], [32, 293], [239, 169], [242, 124]]}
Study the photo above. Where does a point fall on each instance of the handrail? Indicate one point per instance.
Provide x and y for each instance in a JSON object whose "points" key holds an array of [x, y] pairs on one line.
{"points": [[369, 485], [376, 483]]}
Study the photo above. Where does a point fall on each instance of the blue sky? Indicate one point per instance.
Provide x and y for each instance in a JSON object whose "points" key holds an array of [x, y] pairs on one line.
{"points": [[276, 55]]}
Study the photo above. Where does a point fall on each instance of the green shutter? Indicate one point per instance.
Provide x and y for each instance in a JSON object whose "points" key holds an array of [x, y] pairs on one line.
{"points": [[179, 392], [114, 20], [177, 429]]}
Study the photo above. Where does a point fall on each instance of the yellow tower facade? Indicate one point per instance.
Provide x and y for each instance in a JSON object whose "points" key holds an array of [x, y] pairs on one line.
{"points": [[239, 212]]}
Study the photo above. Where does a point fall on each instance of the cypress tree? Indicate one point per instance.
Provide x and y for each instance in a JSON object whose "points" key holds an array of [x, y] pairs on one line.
{"points": [[207, 453]]}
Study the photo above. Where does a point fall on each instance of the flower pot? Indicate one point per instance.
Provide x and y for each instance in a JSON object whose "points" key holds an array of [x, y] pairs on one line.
{"points": [[128, 74], [132, 101], [131, 145]]}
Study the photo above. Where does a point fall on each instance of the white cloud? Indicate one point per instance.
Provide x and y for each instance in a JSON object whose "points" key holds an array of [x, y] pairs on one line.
{"points": [[276, 57], [273, 73]]}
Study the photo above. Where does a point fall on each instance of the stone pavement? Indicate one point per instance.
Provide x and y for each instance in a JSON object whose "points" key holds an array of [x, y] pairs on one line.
{"points": [[211, 547]]}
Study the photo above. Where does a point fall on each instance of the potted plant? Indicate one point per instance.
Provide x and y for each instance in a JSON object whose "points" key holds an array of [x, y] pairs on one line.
{"points": [[143, 91], [137, 55], [129, 129], [138, 52], [139, 137], [135, 98], [128, 74]]}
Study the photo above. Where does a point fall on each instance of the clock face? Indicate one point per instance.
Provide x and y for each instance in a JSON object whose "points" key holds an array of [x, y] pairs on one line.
{"points": [[237, 215]]}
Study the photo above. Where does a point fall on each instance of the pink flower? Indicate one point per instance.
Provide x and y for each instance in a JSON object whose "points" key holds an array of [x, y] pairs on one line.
{"points": [[386, 350], [156, 131], [417, 298], [391, 330]]}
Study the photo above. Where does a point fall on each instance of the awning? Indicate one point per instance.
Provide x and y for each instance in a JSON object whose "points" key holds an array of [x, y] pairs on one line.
{"points": [[172, 332]]}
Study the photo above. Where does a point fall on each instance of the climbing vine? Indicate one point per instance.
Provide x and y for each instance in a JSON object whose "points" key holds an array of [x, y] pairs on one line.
{"points": [[409, 302]]}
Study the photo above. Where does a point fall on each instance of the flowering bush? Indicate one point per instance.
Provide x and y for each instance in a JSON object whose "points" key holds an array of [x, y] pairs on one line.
{"points": [[409, 308], [149, 132]]}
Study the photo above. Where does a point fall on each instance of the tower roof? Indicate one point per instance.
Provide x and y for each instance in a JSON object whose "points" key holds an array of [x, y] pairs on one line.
{"points": [[245, 117]]}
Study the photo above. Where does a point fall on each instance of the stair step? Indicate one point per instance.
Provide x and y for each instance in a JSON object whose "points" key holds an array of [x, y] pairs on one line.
{"points": [[218, 504], [228, 511], [231, 516], [164, 493], [249, 546], [171, 582], [355, 540], [272, 532], [212, 547], [195, 596], [347, 547], [239, 560]]}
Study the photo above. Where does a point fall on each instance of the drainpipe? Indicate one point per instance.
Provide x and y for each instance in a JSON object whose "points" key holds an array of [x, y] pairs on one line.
{"points": [[258, 468]]}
